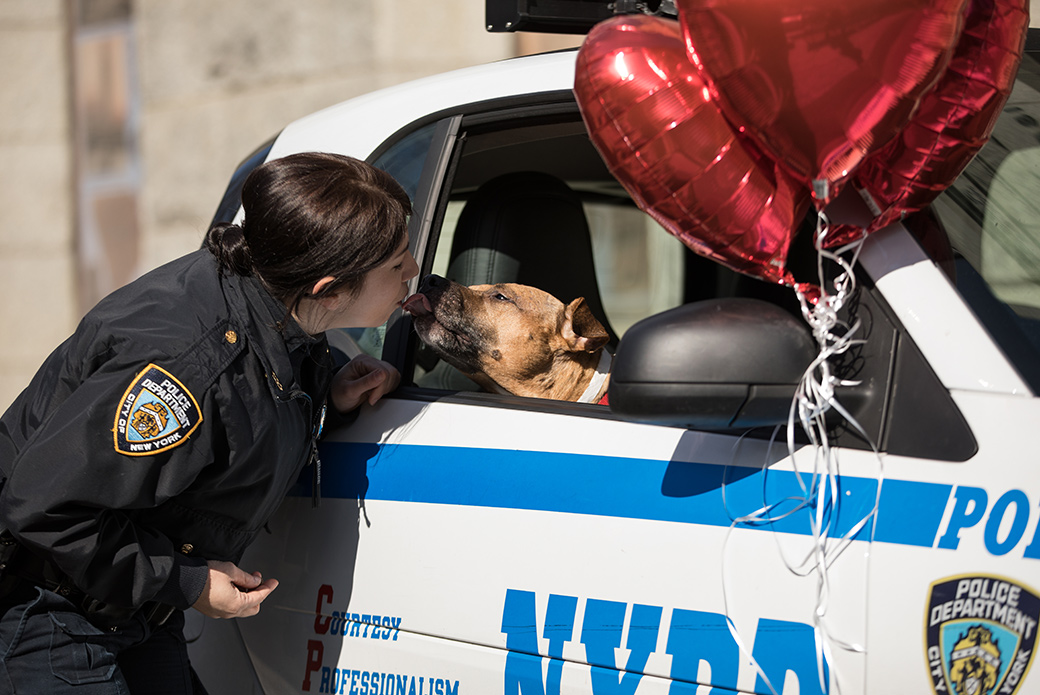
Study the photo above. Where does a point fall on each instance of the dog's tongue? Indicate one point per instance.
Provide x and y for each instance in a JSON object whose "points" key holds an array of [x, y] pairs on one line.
{"points": [[417, 305]]}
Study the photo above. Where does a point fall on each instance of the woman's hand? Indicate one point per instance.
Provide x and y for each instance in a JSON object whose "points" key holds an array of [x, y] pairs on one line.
{"points": [[231, 592], [364, 378]]}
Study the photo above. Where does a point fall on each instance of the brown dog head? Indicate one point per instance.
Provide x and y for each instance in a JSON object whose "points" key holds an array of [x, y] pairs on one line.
{"points": [[509, 338]]}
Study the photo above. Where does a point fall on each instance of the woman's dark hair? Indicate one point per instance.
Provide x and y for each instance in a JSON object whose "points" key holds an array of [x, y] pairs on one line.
{"points": [[309, 216]]}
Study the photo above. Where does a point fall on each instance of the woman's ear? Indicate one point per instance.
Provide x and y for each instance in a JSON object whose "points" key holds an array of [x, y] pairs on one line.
{"points": [[322, 284], [330, 302]]}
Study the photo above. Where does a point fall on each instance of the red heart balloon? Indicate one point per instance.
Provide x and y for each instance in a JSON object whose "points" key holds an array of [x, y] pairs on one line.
{"points": [[820, 84], [659, 131], [954, 121]]}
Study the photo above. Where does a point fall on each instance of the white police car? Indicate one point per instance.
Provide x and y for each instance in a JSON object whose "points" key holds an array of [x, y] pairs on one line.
{"points": [[469, 542]]}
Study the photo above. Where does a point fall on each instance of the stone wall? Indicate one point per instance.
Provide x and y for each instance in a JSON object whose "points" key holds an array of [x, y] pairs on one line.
{"points": [[220, 78], [36, 210]]}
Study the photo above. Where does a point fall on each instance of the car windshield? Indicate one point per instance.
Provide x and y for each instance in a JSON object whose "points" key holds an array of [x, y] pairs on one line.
{"points": [[991, 214]]}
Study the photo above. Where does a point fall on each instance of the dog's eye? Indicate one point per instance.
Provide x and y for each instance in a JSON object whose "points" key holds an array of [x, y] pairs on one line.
{"points": [[501, 297]]}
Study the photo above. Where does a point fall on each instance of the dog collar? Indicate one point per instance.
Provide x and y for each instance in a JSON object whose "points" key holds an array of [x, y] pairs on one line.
{"points": [[602, 372]]}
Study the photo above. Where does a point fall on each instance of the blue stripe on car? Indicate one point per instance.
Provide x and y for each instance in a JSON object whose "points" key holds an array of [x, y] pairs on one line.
{"points": [[650, 489]]}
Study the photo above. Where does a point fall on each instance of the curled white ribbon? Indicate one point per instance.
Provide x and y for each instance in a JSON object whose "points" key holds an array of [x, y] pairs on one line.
{"points": [[814, 399]]}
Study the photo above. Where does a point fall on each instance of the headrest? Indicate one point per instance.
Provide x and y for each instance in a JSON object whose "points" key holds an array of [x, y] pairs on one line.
{"points": [[530, 228]]}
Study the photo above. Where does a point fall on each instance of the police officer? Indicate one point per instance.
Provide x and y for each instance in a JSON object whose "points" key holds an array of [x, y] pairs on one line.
{"points": [[153, 444]]}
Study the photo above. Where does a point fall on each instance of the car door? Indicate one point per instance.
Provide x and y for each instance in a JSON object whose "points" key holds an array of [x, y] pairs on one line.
{"points": [[955, 607], [477, 542]]}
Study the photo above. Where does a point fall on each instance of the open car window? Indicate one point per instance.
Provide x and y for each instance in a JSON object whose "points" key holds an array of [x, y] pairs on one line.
{"points": [[533, 203], [529, 200], [525, 197]]}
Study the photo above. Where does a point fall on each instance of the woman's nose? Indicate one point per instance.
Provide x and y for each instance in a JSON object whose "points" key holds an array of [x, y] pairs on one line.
{"points": [[412, 268]]}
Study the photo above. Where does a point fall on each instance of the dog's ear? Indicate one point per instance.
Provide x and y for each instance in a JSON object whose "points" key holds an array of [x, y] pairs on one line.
{"points": [[581, 331]]}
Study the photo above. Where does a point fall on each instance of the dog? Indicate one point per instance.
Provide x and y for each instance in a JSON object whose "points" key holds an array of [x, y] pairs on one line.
{"points": [[516, 339]]}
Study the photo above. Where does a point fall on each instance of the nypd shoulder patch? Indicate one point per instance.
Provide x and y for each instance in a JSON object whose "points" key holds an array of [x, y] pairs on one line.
{"points": [[980, 634], [155, 414]]}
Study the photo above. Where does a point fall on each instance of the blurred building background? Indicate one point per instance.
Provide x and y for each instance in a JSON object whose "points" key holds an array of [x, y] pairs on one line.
{"points": [[121, 122]]}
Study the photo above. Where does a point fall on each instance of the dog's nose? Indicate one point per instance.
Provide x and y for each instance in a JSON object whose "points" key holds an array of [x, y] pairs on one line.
{"points": [[432, 281]]}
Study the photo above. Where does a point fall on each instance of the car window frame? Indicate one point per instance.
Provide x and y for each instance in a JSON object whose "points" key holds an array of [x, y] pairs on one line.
{"points": [[399, 339]]}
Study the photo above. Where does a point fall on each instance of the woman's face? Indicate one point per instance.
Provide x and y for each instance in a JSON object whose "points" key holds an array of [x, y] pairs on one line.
{"points": [[383, 290]]}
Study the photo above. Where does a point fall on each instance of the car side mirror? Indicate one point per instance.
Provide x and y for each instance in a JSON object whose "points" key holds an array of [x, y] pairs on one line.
{"points": [[716, 364]]}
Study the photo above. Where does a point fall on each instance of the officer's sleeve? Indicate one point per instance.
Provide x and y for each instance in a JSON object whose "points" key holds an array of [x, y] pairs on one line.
{"points": [[128, 437]]}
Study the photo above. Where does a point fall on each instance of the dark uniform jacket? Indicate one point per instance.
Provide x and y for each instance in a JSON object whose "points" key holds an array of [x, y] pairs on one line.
{"points": [[163, 433]]}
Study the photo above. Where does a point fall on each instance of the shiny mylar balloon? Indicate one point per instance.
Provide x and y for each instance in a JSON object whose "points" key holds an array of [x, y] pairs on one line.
{"points": [[820, 84], [954, 121], [659, 131]]}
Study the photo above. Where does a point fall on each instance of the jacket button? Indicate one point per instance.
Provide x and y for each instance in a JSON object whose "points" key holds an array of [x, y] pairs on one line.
{"points": [[187, 548], [231, 337]]}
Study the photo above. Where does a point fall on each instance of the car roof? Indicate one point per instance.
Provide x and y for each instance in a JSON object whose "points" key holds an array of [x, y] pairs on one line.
{"points": [[375, 116]]}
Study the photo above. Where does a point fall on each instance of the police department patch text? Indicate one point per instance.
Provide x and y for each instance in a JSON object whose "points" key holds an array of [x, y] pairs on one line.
{"points": [[155, 414]]}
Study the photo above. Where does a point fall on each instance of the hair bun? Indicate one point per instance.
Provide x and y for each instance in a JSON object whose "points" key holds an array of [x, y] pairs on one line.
{"points": [[227, 241]]}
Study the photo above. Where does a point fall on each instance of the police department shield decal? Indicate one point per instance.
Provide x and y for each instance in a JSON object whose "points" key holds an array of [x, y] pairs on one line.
{"points": [[980, 632], [155, 414]]}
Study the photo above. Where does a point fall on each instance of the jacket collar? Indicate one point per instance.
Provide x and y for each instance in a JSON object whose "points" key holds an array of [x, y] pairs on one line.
{"points": [[280, 343]]}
